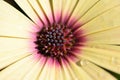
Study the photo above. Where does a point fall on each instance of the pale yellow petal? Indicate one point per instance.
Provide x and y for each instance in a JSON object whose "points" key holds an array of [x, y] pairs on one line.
{"points": [[57, 9], [67, 8], [59, 74], [79, 72], [82, 8], [71, 72], [10, 57], [7, 44], [18, 70], [65, 72], [106, 47], [95, 72], [53, 72], [98, 9], [36, 70], [108, 36], [13, 23], [45, 5], [28, 9], [108, 20], [44, 75], [38, 10], [107, 58]]}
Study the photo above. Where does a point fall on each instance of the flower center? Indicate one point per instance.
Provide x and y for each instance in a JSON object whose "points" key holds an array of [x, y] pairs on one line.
{"points": [[55, 40]]}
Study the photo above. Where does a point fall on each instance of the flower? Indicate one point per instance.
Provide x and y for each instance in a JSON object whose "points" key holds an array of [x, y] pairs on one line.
{"points": [[61, 40]]}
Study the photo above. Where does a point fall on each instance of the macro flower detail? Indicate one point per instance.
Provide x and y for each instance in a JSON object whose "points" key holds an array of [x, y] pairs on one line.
{"points": [[59, 40]]}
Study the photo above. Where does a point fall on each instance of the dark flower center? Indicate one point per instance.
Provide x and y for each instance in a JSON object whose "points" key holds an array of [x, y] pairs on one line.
{"points": [[55, 40]]}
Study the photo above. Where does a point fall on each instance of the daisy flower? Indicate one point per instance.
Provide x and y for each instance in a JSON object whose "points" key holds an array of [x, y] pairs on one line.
{"points": [[61, 40]]}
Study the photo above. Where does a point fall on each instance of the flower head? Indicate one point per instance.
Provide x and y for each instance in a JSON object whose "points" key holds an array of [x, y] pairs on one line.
{"points": [[61, 40]]}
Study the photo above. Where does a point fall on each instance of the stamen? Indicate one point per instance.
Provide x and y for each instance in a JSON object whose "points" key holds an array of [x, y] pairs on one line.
{"points": [[54, 41]]}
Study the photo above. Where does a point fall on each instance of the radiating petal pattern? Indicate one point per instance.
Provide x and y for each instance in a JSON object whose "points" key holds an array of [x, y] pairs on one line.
{"points": [[98, 9], [19, 69], [36, 70], [95, 71], [60, 40], [108, 58]]}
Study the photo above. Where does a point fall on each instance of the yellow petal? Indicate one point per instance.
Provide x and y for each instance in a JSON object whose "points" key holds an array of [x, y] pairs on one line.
{"points": [[108, 20], [36, 70], [67, 8], [45, 5], [18, 70], [82, 8], [28, 9], [108, 36], [95, 72], [60, 74], [57, 9], [13, 23], [98, 9], [105, 47], [10, 57], [79, 72], [109, 59], [13, 43], [44, 75], [53, 72], [66, 72], [38, 10]]}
